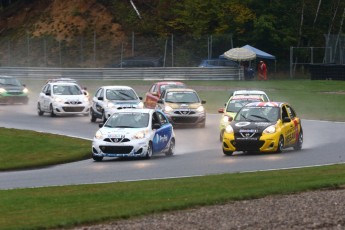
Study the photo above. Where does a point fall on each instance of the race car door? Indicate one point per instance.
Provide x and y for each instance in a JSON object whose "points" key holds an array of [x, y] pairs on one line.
{"points": [[288, 128], [162, 134]]}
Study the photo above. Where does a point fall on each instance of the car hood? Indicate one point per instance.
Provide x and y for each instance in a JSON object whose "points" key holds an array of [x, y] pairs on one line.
{"points": [[257, 127], [80, 97], [183, 105], [13, 88], [120, 132]]}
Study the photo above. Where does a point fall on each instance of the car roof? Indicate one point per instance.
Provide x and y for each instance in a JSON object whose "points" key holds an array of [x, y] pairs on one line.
{"points": [[135, 110], [246, 97], [180, 90], [169, 83], [266, 104], [63, 83], [248, 92]]}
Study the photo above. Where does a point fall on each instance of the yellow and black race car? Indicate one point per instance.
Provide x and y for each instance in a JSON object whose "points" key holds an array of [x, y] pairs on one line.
{"points": [[263, 127]]}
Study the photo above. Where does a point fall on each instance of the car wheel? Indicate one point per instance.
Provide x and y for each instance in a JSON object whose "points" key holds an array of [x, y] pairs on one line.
{"points": [[149, 151], [97, 158], [228, 153], [171, 149], [299, 143], [104, 118], [93, 117], [280, 144], [52, 114], [39, 111]]}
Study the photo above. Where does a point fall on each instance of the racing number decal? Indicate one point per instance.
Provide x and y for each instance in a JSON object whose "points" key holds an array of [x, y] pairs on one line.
{"points": [[292, 134]]}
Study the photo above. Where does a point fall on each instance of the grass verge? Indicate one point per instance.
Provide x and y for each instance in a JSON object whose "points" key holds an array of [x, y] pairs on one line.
{"points": [[67, 206], [37, 149]]}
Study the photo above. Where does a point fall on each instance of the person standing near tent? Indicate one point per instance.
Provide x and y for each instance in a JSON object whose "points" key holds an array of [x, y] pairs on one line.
{"points": [[262, 71]]}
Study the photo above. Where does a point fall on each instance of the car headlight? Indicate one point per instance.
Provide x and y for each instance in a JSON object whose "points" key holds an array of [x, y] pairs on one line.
{"points": [[99, 135], [200, 109], [140, 135], [140, 105], [25, 90], [167, 109], [2, 90], [109, 105], [270, 129], [229, 129], [225, 119], [58, 99]]}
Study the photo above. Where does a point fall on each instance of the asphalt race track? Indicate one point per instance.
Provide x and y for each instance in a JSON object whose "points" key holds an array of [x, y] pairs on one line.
{"points": [[198, 152]]}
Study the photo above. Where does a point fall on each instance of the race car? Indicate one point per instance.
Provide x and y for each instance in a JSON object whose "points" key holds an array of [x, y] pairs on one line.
{"points": [[134, 133], [263, 127], [234, 104]]}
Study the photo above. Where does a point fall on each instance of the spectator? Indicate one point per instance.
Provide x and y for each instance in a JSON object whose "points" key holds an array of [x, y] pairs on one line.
{"points": [[262, 71]]}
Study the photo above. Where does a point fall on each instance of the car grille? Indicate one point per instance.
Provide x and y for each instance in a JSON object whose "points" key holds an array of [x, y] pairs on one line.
{"points": [[184, 120], [247, 145], [73, 102], [184, 112], [14, 93], [116, 149], [73, 109], [116, 140]]}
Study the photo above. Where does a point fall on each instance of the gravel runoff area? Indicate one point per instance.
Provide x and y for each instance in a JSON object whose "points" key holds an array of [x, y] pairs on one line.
{"points": [[321, 209]]}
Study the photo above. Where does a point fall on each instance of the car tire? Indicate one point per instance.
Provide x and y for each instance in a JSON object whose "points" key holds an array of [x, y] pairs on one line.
{"points": [[280, 144], [299, 142], [171, 149], [149, 151], [227, 153], [104, 118], [97, 158], [93, 117], [52, 114], [39, 110]]}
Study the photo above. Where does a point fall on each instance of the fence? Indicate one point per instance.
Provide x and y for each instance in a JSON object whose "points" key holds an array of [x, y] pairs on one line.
{"points": [[171, 73], [95, 52]]}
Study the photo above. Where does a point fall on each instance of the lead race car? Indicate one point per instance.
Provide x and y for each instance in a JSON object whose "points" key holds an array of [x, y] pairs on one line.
{"points": [[134, 133], [263, 127]]}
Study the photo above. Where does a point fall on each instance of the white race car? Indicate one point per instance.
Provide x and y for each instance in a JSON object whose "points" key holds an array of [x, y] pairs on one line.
{"points": [[134, 133]]}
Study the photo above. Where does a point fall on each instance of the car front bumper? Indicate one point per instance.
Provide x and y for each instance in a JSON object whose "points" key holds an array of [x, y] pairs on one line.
{"points": [[134, 148], [266, 143]]}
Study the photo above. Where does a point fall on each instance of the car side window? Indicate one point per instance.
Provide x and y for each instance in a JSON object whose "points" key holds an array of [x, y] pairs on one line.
{"points": [[291, 112], [153, 88], [99, 92], [162, 118], [284, 112]]}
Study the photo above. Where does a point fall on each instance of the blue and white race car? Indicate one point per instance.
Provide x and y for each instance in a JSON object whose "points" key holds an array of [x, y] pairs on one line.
{"points": [[134, 133]]}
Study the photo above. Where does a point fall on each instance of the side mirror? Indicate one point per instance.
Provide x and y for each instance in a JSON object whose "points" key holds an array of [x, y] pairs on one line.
{"points": [[231, 119], [160, 101], [140, 98], [48, 94], [221, 110], [203, 102], [100, 98], [155, 93], [100, 125]]}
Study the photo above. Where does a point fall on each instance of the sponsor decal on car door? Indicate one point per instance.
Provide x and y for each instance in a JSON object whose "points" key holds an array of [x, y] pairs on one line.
{"points": [[161, 138]]}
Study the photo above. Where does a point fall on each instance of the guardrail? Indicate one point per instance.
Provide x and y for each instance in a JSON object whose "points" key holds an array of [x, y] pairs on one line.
{"points": [[164, 73]]}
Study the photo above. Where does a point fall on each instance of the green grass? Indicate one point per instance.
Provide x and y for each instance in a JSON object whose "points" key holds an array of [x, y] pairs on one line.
{"points": [[37, 149], [66, 206]]}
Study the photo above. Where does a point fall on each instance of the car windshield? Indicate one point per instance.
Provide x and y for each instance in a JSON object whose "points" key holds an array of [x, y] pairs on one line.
{"points": [[9, 81], [170, 86], [264, 97], [67, 90], [128, 120], [266, 114], [235, 105], [121, 94], [182, 97]]}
